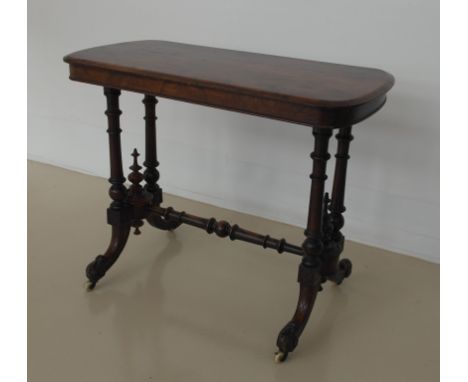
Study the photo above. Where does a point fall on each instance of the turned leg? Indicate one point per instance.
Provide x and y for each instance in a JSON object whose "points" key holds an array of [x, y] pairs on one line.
{"points": [[309, 277], [119, 212], [151, 163], [334, 269]]}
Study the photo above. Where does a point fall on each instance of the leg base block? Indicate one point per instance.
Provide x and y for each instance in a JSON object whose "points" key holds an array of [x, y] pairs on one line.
{"points": [[280, 357]]}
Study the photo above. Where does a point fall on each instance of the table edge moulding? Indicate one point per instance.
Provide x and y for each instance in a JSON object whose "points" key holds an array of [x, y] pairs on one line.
{"points": [[293, 90]]}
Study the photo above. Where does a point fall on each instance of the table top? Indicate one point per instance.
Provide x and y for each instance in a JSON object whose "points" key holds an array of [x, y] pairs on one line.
{"points": [[241, 81]]}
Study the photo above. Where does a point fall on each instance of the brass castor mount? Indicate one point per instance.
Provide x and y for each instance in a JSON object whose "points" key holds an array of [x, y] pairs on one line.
{"points": [[89, 286], [280, 357]]}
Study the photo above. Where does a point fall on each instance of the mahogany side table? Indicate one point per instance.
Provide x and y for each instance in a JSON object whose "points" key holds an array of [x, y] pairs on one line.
{"points": [[320, 95]]}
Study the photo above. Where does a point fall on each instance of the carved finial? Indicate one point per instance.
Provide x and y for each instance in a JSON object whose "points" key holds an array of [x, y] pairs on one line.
{"points": [[135, 176], [136, 195], [327, 225], [137, 224]]}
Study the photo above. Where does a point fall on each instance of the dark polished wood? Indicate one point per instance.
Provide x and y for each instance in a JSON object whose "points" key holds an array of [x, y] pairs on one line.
{"points": [[320, 156], [224, 229], [137, 198], [102, 263], [310, 283], [161, 223], [309, 276], [117, 191], [294, 90], [118, 213], [323, 96], [334, 269], [344, 138], [151, 158], [151, 163]]}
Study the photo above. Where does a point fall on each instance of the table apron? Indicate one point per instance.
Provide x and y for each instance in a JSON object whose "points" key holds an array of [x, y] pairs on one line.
{"points": [[333, 117]]}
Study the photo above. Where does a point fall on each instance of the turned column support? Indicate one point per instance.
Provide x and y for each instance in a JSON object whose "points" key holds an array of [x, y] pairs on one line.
{"points": [[333, 269], [313, 244], [117, 191], [151, 174], [151, 163], [337, 208]]}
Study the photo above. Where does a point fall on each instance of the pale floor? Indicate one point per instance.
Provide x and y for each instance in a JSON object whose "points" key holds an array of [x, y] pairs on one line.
{"points": [[187, 306]]}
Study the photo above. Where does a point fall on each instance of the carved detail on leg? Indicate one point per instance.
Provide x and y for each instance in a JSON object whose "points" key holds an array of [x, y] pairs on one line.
{"points": [[137, 197], [344, 270], [333, 268], [101, 264], [309, 279], [159, 222]]}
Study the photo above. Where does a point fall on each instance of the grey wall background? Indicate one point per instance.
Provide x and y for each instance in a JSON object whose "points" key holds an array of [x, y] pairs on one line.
{"points": [[244, 163]]}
